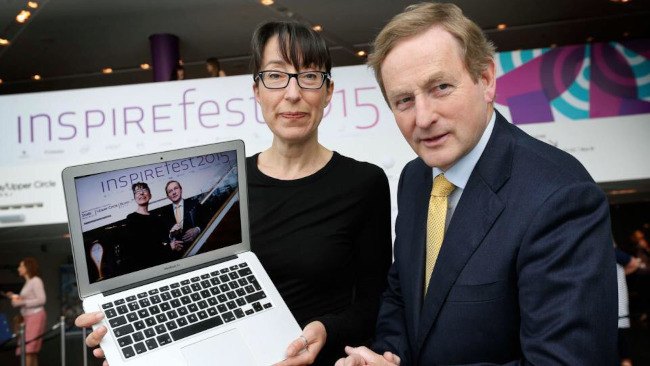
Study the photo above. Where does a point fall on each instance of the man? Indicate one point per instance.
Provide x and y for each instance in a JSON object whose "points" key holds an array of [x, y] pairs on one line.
{"points": [[509, 259], [183, 219]]}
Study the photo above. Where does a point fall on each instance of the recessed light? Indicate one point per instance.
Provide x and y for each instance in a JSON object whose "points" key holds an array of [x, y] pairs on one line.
{"points": [[502, 26], [4, 42], [0, 81], [267, 2], [36, 77], [620, 1], [107, 70], [144, 66], [590, 39], [23, 16], [361, 53], [626, 34], [317, 27], [32, 4]]}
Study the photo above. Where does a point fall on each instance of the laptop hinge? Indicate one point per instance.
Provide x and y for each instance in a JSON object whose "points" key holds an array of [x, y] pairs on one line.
{"points": [[175, 273]]}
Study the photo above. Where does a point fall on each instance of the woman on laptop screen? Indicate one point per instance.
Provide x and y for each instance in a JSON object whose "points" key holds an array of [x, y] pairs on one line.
{"points": [[319, 221], [148, 241]]}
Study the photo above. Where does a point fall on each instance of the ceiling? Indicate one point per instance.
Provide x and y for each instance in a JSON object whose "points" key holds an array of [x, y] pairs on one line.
{"points": [[69, 42]]}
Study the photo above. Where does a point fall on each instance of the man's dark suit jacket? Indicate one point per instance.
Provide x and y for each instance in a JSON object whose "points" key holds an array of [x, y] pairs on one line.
{"points": [[526, 273], [191, 215]]}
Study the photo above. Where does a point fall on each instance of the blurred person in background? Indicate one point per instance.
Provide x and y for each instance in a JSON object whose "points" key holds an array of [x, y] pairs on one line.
{"points": [[31, 301], [213, 67]]}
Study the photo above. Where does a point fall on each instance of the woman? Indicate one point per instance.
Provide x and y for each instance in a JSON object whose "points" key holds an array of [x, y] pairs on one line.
{"points": [[320, 222], [147, 238], [31, 301]]}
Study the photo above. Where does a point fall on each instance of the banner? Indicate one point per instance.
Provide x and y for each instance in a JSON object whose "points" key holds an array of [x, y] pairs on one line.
{"points": [[592, 101]]}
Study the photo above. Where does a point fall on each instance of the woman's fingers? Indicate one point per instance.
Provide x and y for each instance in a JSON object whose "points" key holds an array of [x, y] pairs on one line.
{"points": [[99, 353], [95, 337], [87, 320]]}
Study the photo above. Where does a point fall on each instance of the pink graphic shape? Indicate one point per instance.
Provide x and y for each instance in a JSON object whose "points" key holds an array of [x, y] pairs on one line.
{"points": [[528, 90]]}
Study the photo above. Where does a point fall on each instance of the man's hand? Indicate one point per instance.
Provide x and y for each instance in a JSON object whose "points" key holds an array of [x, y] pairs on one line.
{"points": [[362, 356], [191, 234], [632, 265]]}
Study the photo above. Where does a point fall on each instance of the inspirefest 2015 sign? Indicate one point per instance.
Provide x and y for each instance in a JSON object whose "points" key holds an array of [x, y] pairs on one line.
{"points": [[592, 101]]}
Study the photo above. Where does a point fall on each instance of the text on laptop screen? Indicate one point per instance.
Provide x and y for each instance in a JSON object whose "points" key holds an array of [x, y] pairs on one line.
{"points": [[144, 216]]}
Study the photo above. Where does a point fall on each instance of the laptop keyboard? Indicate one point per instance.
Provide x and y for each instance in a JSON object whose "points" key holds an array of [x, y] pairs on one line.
{"points": [[158, 317]]}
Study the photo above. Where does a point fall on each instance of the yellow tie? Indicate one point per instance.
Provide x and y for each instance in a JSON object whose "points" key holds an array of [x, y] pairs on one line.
{"points": [[177, 214], [436, 223]]}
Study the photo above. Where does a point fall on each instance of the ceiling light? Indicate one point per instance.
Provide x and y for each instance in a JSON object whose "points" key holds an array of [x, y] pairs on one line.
{"points": [[590, 39], [620, 1], [267, 2], [4, 42], [32, 4], [144, 66], [0, 81], [502, 26], [317, 27], [23, 16], [361, 53], [107, 70], [36, 77], [553, 45], [626, 34]]}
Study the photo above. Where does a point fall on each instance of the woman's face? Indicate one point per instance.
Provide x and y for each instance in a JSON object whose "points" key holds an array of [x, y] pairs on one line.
{"points": [[142, 196], [22, 270], [293, 114]]}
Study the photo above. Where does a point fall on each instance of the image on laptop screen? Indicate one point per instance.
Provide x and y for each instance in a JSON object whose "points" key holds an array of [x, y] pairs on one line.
{"points": [[144, 216]]}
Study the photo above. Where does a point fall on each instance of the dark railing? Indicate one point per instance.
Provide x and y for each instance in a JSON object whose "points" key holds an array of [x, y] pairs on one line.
{"points": [[58, 329]]}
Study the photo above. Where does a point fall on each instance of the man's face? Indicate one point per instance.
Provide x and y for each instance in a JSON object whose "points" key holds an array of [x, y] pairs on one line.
{"points": [[439, 109], [174, 192]]}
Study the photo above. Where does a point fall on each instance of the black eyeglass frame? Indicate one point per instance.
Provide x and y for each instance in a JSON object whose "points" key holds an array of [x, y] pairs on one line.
{"points": [[326, 76]]}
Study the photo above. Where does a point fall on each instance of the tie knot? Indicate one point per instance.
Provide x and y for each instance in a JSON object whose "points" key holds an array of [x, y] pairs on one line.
{"points": [[441, 186]]}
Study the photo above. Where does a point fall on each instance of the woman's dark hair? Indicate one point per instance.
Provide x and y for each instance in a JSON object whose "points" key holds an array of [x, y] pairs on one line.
{"points": [[300, 45], [140, 185], [31, 266]]}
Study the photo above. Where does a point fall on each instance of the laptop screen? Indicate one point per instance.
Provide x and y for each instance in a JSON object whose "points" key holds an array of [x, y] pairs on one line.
{"points": [[144, 216]]}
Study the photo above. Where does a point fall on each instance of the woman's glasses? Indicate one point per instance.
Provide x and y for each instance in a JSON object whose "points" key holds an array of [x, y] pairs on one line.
{"points": [[280, 79]]}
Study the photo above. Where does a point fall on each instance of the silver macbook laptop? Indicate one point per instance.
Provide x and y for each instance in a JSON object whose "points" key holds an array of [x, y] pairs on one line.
{"points": [[161, 246]]}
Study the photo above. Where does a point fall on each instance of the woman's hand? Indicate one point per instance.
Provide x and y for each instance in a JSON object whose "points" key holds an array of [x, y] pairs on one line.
{"points": [[176, 245], [304, 349], [95, 337], [16, 300]]}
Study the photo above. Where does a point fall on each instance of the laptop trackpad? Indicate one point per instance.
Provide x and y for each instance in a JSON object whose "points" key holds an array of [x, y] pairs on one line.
{"points": [[228, 348]]}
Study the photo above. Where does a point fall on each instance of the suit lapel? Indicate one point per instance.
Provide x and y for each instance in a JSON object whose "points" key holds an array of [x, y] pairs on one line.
{"points": [[477, 210], [417, 243]]}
